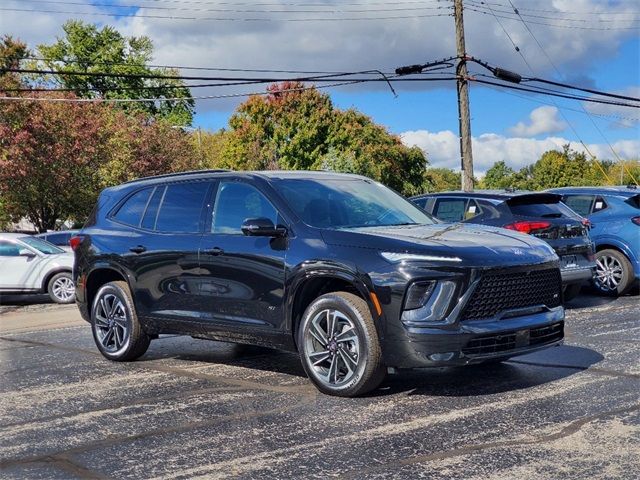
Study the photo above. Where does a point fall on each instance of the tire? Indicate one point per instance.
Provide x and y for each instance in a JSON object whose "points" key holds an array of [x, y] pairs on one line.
{"points": [[346, 365], [113, 311], [614, 274], [571, 291], [61, 288]]}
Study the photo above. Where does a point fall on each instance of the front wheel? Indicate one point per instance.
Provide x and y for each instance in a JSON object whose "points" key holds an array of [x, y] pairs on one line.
{"points": [[116, 330], [339, 345]]}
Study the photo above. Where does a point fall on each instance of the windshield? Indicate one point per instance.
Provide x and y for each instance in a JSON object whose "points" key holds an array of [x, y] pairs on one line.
{"points": [[348, 203], [41, 245]]}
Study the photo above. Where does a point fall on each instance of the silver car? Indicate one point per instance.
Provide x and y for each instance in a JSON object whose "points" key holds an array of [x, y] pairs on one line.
{"points": [[32, 265]]}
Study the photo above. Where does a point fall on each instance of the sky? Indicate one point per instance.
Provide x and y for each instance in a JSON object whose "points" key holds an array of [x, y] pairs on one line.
{"points": [[590, 43]]}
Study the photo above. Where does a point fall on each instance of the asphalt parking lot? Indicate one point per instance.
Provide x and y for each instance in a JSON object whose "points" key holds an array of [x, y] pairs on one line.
{"points": [[197, 409]]}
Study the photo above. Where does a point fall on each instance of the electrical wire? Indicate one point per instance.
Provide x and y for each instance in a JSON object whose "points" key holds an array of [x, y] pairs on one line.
{"points": [[227, 19]]}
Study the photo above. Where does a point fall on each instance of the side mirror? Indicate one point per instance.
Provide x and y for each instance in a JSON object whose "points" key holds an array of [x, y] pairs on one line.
{"points": [[262, 227], [25, 252]]}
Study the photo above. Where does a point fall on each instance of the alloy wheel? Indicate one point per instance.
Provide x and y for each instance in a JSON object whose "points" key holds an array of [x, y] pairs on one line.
{"points": [[111, 323], [332, 347], [609, 273], [63, 289]]}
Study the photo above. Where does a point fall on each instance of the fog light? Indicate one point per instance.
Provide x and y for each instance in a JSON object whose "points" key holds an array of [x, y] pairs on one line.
{"points": [[442, 357]]}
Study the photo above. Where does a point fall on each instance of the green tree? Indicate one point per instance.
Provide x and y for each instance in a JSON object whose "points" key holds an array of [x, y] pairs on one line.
{"points": [[11, 53], [296, 128], [89, 49], [499, 176], [440, 180]]}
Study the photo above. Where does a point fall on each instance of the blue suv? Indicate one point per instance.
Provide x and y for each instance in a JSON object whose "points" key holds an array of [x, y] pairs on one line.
{"points": [[614, 213]]}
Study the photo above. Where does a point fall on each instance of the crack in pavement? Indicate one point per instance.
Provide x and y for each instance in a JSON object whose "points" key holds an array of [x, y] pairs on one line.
{"points": [[566, 431]]}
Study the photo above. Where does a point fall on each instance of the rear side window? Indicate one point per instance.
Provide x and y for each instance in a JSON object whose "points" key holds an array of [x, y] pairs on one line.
{"points": [[59, 238], [130, 213], [600, 204], [580, 204], [634, 201], [450, 209], [181, 208], [421, 202], [150, 215]]}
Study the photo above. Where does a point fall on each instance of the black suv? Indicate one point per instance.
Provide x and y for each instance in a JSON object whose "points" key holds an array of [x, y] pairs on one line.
{"points": [[338, 267], [536, 213]]}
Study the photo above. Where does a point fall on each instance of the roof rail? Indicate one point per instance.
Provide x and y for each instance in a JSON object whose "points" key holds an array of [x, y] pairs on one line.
{"points": [[178, 174]]}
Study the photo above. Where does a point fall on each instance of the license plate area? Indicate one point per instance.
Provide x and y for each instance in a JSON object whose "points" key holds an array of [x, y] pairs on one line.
{"points": [[569, 261]]}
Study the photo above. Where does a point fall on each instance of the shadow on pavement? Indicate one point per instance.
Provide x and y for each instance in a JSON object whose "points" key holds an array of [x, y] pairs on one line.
{"points": [[518, 373]]}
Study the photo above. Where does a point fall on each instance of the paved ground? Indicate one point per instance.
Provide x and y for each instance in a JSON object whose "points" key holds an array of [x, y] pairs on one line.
{"points": [[197, 409]]}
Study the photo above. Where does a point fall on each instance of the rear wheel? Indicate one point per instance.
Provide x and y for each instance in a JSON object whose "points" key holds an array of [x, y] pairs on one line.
{"points": [[613, 272], [339, 345], [116, 330], [61, 288]]}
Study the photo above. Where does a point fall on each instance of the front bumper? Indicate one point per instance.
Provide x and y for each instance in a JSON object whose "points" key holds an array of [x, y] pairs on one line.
{"points": [[475, 341]]}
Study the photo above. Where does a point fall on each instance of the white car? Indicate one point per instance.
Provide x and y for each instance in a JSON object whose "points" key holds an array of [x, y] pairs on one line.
{"points": [[32, 265]]}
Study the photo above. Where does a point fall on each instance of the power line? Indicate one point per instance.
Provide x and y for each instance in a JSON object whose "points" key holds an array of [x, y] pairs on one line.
{"points": [[583, 89], [564, 12], [558, 72], [556, 18], [228, 19], [576, 27], [328, 9]]}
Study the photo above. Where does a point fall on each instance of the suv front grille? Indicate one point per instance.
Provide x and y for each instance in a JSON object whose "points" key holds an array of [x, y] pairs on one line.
{"points": [[499, 291]]}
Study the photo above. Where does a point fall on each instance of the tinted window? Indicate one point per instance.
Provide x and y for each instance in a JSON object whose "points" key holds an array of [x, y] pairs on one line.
{"points": [[130, 213], [58, 238], [450, 209], [348, 202], [599, 204], [421, 202], [634, 201], [580, 204], [8, 249], [149, 219], [181, 207], [545, 210], [235, 203]]}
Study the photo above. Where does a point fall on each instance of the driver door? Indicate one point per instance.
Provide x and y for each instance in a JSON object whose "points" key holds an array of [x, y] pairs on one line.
{"points": [[242, 283]]}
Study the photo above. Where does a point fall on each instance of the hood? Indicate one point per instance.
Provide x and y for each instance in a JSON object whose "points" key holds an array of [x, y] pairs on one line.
{"points": [[476, 245]]}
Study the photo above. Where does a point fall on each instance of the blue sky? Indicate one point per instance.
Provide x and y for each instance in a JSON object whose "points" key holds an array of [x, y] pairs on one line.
{"points": [[511, 126]]}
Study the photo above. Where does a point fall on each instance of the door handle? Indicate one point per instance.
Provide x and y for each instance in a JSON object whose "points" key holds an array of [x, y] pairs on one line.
{"points": [[138, 249], [213, 251]]}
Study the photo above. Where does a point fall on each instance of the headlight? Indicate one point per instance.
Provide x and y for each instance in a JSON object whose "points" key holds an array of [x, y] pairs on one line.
{"points": [[435, 298], [395, 257]]}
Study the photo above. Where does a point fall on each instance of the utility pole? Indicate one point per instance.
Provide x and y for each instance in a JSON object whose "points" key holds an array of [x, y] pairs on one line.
{"points": [[464, 119]]}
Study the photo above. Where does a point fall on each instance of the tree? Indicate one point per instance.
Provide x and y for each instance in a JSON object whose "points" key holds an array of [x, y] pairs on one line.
{"points": [[11, 53], [297, 128], [440, 180], [88, 49], [49, 159], [499, 176]]}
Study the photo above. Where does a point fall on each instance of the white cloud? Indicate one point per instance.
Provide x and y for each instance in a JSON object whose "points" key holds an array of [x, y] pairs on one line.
{"points": [[542, 120], [342, 45], [442, 149]]}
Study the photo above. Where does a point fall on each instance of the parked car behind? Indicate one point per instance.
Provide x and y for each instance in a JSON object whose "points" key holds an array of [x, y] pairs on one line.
{"points": [[31, 265], [542, 215], [338, 267], [614, 213], [60, 238]]}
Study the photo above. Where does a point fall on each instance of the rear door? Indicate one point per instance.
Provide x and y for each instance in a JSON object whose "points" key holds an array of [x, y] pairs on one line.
{"points": [[165, 224]]}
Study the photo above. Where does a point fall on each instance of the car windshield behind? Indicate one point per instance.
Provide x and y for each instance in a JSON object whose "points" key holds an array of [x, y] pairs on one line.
{"points": [[41, 245], [348, 203]]}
